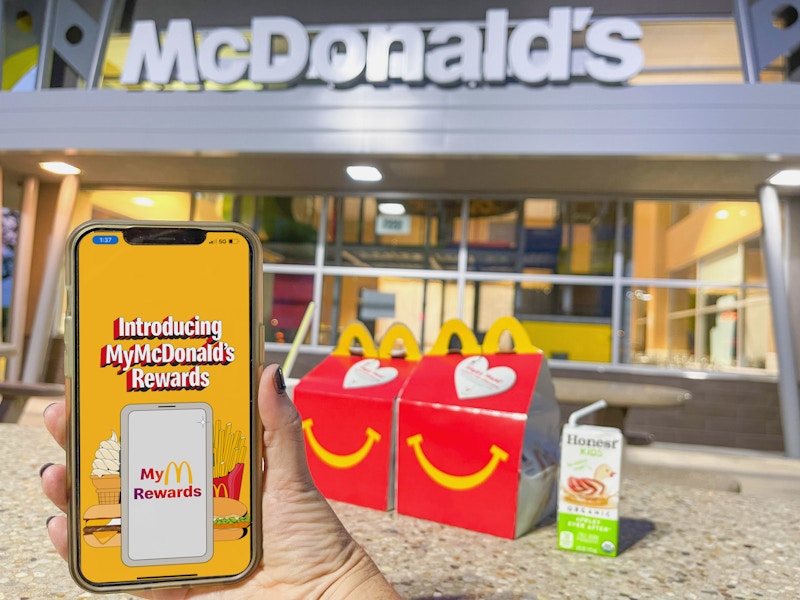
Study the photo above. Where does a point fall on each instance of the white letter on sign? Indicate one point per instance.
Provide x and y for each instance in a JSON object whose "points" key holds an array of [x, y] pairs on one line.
{"points": [[601, 40], [381, 39], [222, 70], [266, 68], [338, 54], [456, 53], [144, 54], [534, 66]]}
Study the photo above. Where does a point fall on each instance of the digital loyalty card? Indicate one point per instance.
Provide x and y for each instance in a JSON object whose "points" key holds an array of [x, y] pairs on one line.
{"points": [[166, 474]]}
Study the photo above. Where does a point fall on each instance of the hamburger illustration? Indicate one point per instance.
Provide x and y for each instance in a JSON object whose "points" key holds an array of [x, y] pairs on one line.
{"points": [[102, 526], [230, 519]]}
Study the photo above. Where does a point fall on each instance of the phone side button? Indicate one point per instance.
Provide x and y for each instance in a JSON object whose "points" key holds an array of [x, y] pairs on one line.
{"points": [[68, 346], [262, 334]]}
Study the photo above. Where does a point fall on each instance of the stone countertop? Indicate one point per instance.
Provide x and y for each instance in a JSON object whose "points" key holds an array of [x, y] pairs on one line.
{"points": [[679, 542]]}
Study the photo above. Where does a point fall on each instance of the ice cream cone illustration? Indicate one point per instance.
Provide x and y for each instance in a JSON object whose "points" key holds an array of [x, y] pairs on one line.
{"points": [[105, 471]]}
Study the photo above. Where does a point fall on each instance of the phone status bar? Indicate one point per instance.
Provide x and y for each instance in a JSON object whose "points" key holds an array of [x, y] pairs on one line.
{"points": [[105, 240]]}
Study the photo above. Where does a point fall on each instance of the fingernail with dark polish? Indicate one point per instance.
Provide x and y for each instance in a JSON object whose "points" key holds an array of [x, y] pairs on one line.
{"points": [[280, 383], [43, 468], [50, 518]]}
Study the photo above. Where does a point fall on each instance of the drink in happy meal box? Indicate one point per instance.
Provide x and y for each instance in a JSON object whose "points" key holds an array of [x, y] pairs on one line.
{"points": [[589, 484]]}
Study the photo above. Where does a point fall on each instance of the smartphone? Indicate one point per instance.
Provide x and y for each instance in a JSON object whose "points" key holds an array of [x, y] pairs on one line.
{"points": [[164, 345]]}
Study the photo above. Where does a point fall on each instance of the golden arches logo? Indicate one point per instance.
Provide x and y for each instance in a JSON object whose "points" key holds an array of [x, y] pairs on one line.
{"points": [[178, 471], [340, 461], [220, 488], [457, 482]]}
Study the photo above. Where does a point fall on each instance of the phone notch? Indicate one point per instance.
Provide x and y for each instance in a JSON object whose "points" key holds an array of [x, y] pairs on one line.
{"points": [[152, 236]]}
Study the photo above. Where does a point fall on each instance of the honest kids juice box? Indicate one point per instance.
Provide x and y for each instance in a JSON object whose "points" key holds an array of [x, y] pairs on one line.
{"points": [[589, 484]]}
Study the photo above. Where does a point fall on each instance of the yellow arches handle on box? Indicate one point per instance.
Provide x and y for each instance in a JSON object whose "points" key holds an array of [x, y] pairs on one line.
{"points": [[469, 343], [355, 331], [398, 331], [522, 342], [340, 461], [457, 482]]}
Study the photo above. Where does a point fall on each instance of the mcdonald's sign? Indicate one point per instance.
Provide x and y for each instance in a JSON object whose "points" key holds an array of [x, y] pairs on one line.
{"points": [[178, 471], [220, 490]]}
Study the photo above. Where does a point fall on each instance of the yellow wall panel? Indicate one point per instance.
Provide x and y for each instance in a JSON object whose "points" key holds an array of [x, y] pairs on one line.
{"points": [[574, 341]]}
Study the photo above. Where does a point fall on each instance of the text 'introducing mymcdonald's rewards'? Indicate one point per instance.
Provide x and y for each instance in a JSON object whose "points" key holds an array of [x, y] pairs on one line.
{"points": [[144, 363]]}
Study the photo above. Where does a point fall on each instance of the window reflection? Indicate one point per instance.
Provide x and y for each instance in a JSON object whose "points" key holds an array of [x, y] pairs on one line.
{"points": [[711, 312], [409, 234]]}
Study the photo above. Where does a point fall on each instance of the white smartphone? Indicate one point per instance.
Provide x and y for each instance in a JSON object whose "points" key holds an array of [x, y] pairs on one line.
{"points": [[166, 469]]}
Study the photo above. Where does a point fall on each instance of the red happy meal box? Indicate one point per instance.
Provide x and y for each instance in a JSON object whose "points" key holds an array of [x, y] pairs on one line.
{"points": [[477, 442], [347, 406]]}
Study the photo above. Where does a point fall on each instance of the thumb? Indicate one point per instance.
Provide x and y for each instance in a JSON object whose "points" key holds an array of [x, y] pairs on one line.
{"points": [[284, 446]]}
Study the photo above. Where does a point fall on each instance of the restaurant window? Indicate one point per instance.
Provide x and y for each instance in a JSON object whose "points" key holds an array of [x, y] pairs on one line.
{"points": [[669, 283], [422, 304], [494, 229], [286, 225], [713, 310], [386, 233]]}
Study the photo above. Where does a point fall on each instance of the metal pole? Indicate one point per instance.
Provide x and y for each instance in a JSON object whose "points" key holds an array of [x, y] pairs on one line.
{"points": [[462, 258], [2, 41], [35, 355], [747, 50], [44, 67], [616, 287], [336, 297], [22, 275], [772, 243], [319, 266], [103, 33]]}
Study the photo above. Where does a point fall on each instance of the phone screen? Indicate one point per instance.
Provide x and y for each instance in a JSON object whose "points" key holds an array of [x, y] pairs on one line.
{"points": [[163, 403], [168, 456]]}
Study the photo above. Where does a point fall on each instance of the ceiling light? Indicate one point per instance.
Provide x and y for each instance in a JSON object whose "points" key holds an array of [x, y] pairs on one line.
{"points": [[786, 177], [60, 168], [722, 214], [143, 201], [364, 173], [391, 208]]}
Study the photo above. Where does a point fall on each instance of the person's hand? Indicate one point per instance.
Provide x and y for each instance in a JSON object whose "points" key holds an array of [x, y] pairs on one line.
{"points": [[307, 551]]}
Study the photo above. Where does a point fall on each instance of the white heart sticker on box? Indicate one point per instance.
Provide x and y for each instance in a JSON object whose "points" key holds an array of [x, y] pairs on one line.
{"points": [[367, 373], [474, 378]]}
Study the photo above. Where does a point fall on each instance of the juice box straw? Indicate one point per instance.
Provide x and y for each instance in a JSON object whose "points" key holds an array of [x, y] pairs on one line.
{"points": [[586, 410], [288, 364]]}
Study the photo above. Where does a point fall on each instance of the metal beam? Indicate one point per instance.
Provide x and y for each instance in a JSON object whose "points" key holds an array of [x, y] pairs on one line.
{"points": [[44, 67], [36, 353], [22, 275], [772, 244], [98, 55], [747, 47]]}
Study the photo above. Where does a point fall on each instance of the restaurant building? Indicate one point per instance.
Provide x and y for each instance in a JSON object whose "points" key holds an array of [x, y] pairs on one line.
{"points": [[599, 172]]}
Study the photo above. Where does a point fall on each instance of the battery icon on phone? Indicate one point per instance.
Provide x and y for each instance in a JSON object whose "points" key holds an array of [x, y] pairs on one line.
{"points": [[233, 241]]}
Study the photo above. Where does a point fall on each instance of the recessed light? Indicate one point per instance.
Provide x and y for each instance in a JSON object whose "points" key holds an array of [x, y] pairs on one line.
{"points": [[722, 214], [60, 168], [391, 208], [789, 177], [364, 173], [143, 201]]}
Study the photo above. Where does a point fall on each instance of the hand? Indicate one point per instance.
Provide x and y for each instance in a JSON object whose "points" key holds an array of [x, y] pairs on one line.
{"points": [[307, 551]]}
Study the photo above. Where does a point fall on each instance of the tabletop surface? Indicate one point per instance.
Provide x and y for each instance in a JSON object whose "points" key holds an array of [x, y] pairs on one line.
{"points": [[615, 393], [679, 542]]}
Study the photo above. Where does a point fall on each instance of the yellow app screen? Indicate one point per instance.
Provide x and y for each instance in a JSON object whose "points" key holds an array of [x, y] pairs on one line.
{"points": [[163, 406]]}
